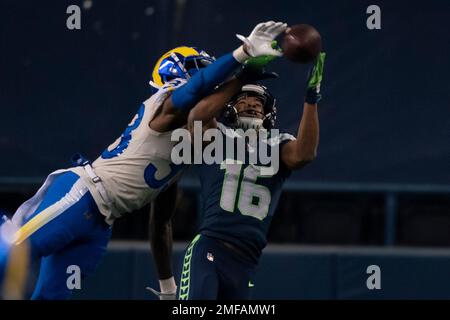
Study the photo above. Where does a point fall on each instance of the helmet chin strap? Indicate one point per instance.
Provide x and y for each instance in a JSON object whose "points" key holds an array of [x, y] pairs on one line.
{"points": [[249, 123]]}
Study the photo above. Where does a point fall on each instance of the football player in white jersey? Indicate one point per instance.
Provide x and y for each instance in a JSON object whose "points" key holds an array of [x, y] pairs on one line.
{"points": [[67, 223]]}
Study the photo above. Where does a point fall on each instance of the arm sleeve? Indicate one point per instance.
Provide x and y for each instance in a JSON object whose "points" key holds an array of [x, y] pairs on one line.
{"points": [[203, 82]]}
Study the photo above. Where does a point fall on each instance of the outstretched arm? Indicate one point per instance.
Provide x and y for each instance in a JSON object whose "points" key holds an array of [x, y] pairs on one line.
{"points": [[184, 98], [210, 107], [297, 153]]}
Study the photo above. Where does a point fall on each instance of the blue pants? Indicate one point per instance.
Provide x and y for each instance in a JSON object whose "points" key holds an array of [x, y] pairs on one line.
{"points": [[212, 271], [77, 236]]}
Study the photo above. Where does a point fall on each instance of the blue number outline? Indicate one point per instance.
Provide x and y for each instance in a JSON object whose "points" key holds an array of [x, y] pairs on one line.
{"points": [[125, 138], [150, 178]]}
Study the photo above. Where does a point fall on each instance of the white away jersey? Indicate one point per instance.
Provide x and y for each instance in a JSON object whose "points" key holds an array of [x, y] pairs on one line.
{"points": [[137, 166]]}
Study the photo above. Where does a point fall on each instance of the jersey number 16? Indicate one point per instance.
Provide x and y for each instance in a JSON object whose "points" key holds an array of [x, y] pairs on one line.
{"points": [[253, 199]]}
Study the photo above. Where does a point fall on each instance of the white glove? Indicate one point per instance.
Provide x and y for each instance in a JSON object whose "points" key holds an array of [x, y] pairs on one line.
{"points": [[259, 42], [163, 296]]}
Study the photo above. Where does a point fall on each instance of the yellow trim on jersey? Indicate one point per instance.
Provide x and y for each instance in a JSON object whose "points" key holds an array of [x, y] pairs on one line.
{"points": [[184, 51]]}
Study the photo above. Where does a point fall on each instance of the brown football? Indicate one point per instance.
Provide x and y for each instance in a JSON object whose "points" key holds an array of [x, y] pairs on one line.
{"points": [[302, 43]]}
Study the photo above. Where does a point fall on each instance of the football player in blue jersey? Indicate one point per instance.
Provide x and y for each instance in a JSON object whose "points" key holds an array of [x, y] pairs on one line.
{"points": [[238, 200], [68, 221]]}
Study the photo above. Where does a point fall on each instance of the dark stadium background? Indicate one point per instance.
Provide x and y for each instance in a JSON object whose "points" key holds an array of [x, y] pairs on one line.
{"points": [[378, 193]]}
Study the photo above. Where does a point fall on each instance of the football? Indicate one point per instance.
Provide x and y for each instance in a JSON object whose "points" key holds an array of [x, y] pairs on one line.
{"points": [[302, 43]]}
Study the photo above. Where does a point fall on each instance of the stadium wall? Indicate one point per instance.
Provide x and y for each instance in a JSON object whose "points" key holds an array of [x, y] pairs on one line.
{"points": [[291, 272]]}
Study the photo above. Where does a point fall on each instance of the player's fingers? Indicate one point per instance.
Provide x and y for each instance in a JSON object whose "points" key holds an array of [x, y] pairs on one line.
{"points": [[244, 40], [279, 29], [240, 37], [258, 27], [266, 25], [274, 27], [283, 27], [321, 62]]}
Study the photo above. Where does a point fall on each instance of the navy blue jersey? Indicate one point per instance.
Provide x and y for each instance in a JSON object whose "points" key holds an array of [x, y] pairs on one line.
{"points": [[238, 202]]}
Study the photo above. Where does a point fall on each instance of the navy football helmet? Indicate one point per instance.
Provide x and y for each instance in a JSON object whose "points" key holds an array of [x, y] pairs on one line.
{"points": [[231, 116]]}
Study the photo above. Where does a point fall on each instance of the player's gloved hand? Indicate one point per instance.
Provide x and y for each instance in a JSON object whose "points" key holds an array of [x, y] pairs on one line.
{"points": [[163, 296], [254, 69], [261, 62], [314, 79], [259, 42]]}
